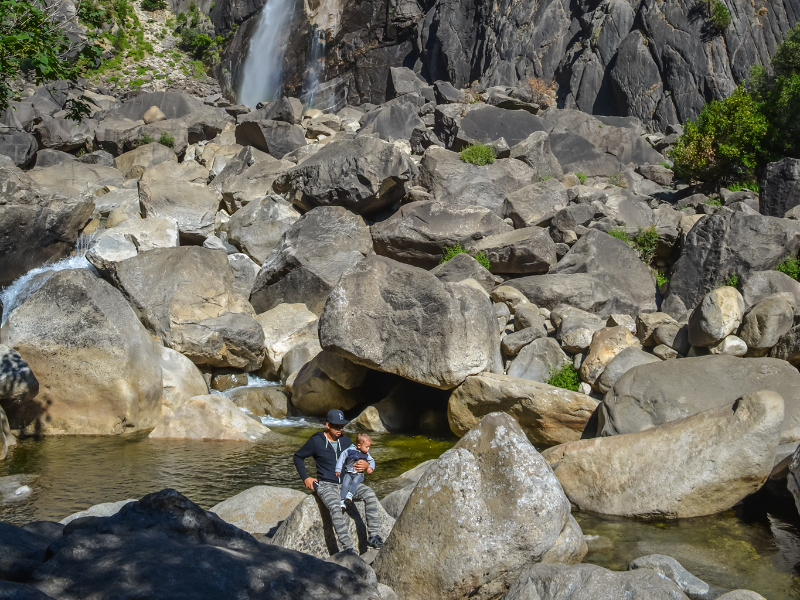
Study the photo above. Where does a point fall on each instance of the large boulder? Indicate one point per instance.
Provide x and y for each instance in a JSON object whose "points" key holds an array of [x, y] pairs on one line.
{"points": [[696, 466], [17, 382], [590, 582], [277, 138], [98, 367], [757, 285], [606, 344], [718, 315], [535, 204], [365, 175], [285, 326], [781, 188], [156, 543], [185, 296], [721, 245], [35, 226], [128, 239], [21, 552], [766, 322], [652, 394], [259, 509], [309, 259], [453, 181], [18, 145], [209, 417], [395, 120], [419, 232], [7, 438], [576, 153], [74, 178], [326, 382], [134, 163], [547, 414], [527, 250], [535, 152], [403, 320], [309, 529], [600, 274], [462, 266], [251, 184], [192, 207], [538, 359], [256, 228], [483, 511], [623, 362]]}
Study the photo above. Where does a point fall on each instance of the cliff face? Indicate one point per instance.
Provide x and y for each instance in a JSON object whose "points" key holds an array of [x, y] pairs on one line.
{"points": [[659, 61]]}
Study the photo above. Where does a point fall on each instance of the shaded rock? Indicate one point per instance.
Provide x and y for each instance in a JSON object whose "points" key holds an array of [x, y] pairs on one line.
{"points": [[212, 417], [464, 486], [63, 134], [766, 322], [757, 285], [577, 154], [20, 591], [98, 368], [326, 382], [256, 228], [309, 259], [356, 564], [152, 543], [193, 309], [309, 528], [453, 181], [396, 120], [18, 384], [22, 552], [191, 207], [653, 394], [259, 509], [489, 123], [535, 204], [403, 320], [526, 250], [274, 137], [20, 146], [646, 325], [547, 414], [700, 465], [781, 188], [364, 174], [788, 346], [719, 314], [535, 152], [104, 509], [419, 232]]}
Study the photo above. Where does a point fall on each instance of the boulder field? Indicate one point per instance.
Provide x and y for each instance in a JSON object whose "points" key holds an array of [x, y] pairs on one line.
{"points": [[599, 335]]}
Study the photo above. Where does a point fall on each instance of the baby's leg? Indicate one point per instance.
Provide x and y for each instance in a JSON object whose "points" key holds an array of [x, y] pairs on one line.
{"points": [[346, 477]]}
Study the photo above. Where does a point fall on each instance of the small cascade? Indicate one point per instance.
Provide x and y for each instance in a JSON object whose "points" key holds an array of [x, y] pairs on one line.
{"points": [[263, 67], [26, 285], [316, 66]]}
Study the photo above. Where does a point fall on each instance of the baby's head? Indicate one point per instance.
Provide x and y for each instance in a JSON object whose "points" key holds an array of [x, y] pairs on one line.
{"points": [[363, 442]]}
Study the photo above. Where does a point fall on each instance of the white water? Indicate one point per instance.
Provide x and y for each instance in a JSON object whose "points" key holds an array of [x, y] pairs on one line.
{"points": [[26, 285], [316, 65], [263, 67]]}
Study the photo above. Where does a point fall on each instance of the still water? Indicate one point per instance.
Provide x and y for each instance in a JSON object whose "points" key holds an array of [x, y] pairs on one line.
{"points": [[755, 547]]}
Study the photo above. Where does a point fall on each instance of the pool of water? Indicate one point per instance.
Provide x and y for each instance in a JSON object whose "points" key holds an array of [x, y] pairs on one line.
{"points": [[756, 546]]}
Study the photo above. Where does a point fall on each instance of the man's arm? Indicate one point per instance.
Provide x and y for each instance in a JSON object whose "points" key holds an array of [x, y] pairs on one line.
{"points": [[300, 456]]}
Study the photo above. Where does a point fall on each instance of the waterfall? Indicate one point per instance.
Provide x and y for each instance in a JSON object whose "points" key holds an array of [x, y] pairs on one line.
{"points": [[26, 285], [316, 66], [263, 67]]}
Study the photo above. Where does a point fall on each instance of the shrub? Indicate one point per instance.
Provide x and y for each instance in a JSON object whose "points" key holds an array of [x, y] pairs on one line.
{"points": [[753, 186], [645, 243], [181, 18], [119, 42], [153, 5], [542, 93], [451, 252], [714, 202], [121, 8], [581, 177], [617, 180], [89, 12], [566, 377], [725, 142], [661, 279], [790, 267], [167, 139], [145, 139], [732, 280], [620, 235], [483, 260], [478, 154], [665, 164], [720, 15]]}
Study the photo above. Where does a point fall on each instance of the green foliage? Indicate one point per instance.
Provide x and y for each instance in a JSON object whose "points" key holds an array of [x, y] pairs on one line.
{"points": [[620, 235], [483, 260], [195, 42], [645, 244], [790, 267], [153, 5], [581, 177], [122, 9], [90, 13], [617, 180], [665, 164], [714, 202], [566, 377], [145, 139], [451, 252], [732, 280], [210, 8], [478, 154], [33, 41], [181, 18], [167, 139], [137, 82], [661, 279], [545, 178], [119, 42], [720, 15], [753, 186], [725, 142]]}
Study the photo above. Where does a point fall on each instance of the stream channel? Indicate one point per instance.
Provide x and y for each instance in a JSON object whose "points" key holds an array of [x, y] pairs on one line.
{"points": [[755, 546]]}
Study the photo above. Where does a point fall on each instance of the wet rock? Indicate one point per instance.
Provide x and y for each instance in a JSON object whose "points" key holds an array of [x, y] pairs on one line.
{"points": [[211, 417], [453, 181], [700, 465], [365, 175], [35, 227], [195, 310], [154, 542], [382, 309], [656, 393], [462, 486], [719, 314], [259, 509], [309, 529], [261, 401], [310, 258], [256, 228], [547, 414], [419, 232], [62, 330], [672, 569]]}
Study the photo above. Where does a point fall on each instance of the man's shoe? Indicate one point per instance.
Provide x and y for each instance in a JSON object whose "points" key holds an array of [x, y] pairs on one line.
{"points": [[375, 542]]}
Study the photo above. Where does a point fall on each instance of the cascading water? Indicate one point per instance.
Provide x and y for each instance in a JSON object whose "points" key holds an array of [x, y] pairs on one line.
{"points": [[26, 285], [316, 65], [263, 67]]}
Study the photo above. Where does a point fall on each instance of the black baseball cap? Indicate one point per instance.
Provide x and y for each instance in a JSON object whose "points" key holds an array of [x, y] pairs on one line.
{"points": [[336, 417]]}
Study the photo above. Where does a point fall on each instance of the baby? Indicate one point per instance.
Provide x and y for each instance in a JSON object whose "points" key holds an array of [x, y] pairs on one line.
{"points": [[351, 455]]}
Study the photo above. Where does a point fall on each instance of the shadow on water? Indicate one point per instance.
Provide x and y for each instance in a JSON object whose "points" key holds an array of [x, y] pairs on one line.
{"points": [[756, 546]]}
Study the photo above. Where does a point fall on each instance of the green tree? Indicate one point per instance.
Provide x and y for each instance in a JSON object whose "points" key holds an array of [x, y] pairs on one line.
{"points": [[33, 40], [725, 143]]}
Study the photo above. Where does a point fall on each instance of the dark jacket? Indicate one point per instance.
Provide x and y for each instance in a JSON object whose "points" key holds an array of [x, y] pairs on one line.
{"points": [[325, 456]]}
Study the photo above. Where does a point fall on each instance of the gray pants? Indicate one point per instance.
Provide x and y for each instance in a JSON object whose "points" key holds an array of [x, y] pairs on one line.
{"points": [[329, 492]]}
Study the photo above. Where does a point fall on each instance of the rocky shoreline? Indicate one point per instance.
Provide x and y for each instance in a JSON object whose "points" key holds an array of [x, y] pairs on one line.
{"points": [[642, 330]]}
